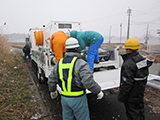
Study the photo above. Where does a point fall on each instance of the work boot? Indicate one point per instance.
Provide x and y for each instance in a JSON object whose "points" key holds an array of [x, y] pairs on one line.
{"points": [[97, 62]]}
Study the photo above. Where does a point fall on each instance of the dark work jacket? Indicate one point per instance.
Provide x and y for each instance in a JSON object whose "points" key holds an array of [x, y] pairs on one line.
{"points": [[134, 74], [26, 49]]}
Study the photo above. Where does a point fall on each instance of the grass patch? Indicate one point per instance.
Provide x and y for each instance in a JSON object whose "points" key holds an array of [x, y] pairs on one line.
{"points": [[15, 93], [7, 54]]}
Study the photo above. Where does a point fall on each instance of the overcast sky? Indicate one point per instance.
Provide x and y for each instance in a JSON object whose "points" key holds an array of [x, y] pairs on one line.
{"points": [[97, 15]]}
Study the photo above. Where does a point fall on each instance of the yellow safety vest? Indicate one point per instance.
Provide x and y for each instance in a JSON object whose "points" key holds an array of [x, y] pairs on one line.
{"points": [[67, 85]]}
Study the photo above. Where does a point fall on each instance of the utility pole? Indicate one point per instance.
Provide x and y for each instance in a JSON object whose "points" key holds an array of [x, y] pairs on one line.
{"points": [[120, 32], [110, 34], [146, 38], [3, 28], [158, 32], [129, 13]]}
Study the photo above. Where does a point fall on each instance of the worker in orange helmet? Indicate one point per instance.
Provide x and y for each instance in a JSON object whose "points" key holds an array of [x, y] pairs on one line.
{"points": [[57, 44]]}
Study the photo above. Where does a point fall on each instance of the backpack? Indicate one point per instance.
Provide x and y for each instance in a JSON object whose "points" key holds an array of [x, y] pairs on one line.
{"points": [[25, 49]]}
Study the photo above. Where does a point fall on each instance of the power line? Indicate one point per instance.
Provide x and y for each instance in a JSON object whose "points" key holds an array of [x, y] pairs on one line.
{"points": [[158, 18], [150, 8], [149, 22], [103, 18], [154, 7]]}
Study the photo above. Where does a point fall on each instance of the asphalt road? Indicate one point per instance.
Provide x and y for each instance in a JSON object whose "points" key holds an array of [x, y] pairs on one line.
{"points": [[106, 109]]}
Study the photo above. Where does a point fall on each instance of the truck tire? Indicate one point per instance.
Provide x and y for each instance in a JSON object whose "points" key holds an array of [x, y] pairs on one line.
{"points": [[34, 65], [38, 76], [43, 79], [35, 69]]}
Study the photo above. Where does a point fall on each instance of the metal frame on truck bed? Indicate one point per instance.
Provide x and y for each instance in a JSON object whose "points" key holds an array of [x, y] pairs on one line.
{"points": [[106, 73]]}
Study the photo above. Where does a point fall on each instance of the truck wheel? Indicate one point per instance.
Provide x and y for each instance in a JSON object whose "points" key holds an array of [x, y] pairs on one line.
{"points": [[34, 66], [39, 77], [43, 78]]}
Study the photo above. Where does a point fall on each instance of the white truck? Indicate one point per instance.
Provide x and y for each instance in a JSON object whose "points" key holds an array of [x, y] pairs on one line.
{"points": [[107, 72], [41, 54]]}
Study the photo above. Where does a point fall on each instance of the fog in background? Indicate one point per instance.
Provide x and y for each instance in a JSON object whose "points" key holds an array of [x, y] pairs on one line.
{"points": [[104, 16]]}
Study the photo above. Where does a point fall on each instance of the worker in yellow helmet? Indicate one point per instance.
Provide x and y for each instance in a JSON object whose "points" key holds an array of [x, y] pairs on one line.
{"points": [[57, 44], [134, 73]]}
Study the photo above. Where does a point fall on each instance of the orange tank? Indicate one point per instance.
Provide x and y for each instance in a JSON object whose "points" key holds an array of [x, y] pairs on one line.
{"points": [[39, 37]]}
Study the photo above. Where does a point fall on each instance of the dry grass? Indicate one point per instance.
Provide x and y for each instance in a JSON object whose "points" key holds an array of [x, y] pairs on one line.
{"points": [[7, 55], [15, 93], [19, 45]]}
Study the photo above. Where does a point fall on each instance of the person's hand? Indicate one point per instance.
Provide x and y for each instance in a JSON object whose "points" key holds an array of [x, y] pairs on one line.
{"points": [[54, 94], [100, 95]]}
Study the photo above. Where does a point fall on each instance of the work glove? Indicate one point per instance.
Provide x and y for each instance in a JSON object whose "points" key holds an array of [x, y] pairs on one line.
{"points": [[54, 94], [100, 95]]}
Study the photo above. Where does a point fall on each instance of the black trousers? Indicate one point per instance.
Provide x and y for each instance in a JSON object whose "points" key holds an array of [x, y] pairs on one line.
{"points": [[135, 110]]}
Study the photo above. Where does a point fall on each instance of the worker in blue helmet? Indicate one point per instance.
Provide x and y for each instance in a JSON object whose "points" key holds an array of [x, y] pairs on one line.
{"points": [[91, 39]]}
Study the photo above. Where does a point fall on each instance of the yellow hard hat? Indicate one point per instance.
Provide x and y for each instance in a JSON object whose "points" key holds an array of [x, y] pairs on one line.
{"points": [[132, 43]]}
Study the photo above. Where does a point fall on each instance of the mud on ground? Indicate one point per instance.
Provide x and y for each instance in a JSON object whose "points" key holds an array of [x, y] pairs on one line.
{"points": [[152, 99]]}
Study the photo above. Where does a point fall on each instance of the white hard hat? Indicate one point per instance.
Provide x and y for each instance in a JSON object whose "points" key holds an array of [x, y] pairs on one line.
{"points": [[72, 43]]}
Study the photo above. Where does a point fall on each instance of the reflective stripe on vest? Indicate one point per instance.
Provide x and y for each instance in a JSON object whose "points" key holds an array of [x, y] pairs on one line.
{"points": [[67, 91], [138, 79]]}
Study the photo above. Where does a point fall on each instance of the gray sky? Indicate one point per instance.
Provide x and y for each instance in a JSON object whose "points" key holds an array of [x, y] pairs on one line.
{"points": [[97, 15]]}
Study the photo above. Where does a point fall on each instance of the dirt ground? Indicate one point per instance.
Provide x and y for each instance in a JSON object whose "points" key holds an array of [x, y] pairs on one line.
{"points": [[152, 99]]}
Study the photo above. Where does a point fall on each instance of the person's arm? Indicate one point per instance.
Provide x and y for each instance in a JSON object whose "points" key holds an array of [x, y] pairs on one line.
{"points": [[127, 82], [81, 43], [86, 76], [51, 43], [24, 49], [64, 46], [65, 38], [87, 80], [52, 81]]}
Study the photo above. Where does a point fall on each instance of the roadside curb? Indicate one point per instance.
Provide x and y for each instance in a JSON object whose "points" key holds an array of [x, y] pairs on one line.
{"points": [[45, 114]]}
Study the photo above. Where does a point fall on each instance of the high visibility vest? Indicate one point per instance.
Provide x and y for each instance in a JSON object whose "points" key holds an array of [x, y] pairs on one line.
{"points": [[65, 72]]}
